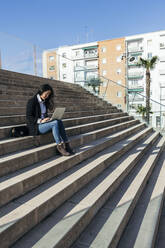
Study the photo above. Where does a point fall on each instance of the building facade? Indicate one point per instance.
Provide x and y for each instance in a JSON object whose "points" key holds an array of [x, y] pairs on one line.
{"points": [[146, 46], [112, 70]]}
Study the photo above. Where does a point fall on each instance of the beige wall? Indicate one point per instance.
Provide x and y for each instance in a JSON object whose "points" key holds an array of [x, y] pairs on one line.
{"points": [[111, 66], [52, 73]]}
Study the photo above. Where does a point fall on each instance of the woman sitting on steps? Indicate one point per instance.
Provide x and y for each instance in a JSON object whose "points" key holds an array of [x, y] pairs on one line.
{"points": [[38, 121]]}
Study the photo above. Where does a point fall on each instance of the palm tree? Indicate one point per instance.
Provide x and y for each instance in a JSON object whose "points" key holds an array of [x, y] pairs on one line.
{"points": [[148, 64]]}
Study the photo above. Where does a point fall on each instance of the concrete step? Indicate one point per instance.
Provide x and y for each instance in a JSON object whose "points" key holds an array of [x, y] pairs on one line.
{"points": [[153, 212], [4, 130], [33, 177], [22, 110], [18, 103], [28, 91], [101, 220], [37, 208], [28, 157], [148, 216], [16, 144], [61, 98], [18, 119], [73, 216], [112, 230]]}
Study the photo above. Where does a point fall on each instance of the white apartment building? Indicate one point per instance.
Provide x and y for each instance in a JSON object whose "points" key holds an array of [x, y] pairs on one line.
{"points": [[146, 46], [74, 64]]}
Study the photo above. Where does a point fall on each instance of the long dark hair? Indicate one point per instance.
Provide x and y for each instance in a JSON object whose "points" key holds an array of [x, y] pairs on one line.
{"points": [[48, 101]]}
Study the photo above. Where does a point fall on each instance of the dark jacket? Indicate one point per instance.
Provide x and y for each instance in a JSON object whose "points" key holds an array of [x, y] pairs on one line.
{"points": [[33, 113]]}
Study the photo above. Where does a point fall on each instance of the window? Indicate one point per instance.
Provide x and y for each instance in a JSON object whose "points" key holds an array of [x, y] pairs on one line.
{"points": [[104, 72], [149, 55], [119, 94], [64, 65], [149, 43], [64, 55], [162, 45], [52, 78], [64, 76], [51, 58], [52, 68], [104, 60], [77, 53], [118, 59], [118, 71], [118, 47], [103, 49]]}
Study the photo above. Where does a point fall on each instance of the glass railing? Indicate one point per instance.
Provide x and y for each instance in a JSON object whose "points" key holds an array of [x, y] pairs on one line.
{"points": [[19, 55]]}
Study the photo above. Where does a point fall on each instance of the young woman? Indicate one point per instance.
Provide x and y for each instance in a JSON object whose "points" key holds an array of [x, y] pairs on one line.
{"points": [[37, 119]]}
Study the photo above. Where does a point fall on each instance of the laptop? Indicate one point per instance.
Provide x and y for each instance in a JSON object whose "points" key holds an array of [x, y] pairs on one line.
{"points": [[57, 114]]}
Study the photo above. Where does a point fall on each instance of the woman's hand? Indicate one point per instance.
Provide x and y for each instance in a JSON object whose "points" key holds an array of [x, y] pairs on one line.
{"points": [[45, 120]]}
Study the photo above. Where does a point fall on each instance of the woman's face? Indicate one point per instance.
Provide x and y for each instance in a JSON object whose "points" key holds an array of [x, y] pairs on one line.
{"points": [[45, 94]]}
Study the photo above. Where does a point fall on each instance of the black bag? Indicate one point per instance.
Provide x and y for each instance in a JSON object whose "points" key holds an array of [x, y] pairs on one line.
{"points": [[19, 131]]}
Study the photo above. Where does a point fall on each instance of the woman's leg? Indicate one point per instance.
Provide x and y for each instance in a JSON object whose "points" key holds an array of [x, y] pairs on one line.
{"points": [[54, 126], [62, 131], [65, 138], [51, 125]]}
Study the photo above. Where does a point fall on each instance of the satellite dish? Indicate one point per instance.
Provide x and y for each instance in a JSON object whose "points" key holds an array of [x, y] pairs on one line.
{"points": [[132, 59]]}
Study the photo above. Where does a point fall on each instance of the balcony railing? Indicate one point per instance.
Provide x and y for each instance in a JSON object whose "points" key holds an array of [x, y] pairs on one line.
{"points": [[91, 55], [81, 56], [79, 68], [87, 67], [133, 64], [135, 75], [136, 99], [136, 86], [135, 49]]}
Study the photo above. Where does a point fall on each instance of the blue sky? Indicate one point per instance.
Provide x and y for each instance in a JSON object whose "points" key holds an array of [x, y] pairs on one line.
{"points": [[52, 23]]}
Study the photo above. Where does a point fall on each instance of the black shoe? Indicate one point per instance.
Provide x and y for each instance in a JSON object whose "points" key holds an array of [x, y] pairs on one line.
{"points": [[68, 148]]}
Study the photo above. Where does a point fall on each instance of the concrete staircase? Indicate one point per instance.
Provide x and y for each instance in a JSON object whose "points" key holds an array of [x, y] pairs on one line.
{"points": [[109, 194]]}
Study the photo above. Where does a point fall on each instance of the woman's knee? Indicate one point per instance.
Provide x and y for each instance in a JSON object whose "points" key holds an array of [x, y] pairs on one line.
{"points": [[55, 122]]}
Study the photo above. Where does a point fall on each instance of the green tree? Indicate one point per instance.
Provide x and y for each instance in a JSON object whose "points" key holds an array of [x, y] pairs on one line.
{"points": [[148, 64], [142, 111], [95, 83]]}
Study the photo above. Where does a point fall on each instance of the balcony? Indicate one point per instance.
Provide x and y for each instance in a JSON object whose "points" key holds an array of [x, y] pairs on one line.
{"points": [[136, 87], [91, 55], [135, 75], [138, 49], [135, 64], [79, 79], [79, 68], [77, 57], [136, 99], [84, 68], [91, 67]]}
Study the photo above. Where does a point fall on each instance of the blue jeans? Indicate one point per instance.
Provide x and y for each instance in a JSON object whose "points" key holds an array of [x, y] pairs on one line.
{"points": [[57, 128]]}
